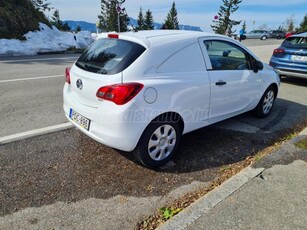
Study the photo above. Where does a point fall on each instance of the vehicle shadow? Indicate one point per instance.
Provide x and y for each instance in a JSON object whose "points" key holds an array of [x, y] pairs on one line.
{"points": [[294, 81], [68, 166], [235, 139]]}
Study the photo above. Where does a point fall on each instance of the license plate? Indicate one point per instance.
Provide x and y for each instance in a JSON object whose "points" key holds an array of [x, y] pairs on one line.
{"points": [[299, 58], [79, 119]]}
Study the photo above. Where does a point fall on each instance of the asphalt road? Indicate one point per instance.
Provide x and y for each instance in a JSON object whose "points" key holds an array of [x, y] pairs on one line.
{"points": [[64, 180], [31, 92]]}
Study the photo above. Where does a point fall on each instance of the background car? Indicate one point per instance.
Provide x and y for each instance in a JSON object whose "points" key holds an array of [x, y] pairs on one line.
{"points": [[258, 34], [288, 34], [279, 34], [290, 59], [140, 91]]}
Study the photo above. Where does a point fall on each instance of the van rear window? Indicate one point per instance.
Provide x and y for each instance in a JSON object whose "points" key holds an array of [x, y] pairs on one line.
{"points": [[109, 56]]}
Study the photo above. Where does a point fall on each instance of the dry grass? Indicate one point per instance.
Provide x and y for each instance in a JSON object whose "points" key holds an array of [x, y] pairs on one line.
{"points": [[302, 143]]}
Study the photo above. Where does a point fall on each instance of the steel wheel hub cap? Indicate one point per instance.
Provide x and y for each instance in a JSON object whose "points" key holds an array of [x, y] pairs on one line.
{"points": [[268, 102], [162, 142]]}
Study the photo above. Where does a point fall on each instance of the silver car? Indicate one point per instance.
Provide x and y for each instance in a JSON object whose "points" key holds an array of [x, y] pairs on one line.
{"points": [[258, 34]]}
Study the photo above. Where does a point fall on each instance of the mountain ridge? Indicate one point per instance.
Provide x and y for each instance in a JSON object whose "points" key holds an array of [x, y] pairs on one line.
{"points": [[92, 26]]}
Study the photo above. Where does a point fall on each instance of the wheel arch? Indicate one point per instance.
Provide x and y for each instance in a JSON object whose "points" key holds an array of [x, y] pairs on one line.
{"points": [[275, 87], [172, 117]]}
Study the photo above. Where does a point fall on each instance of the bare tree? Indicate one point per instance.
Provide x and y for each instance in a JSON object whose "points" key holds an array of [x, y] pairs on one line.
{"points": [[263, 27]]}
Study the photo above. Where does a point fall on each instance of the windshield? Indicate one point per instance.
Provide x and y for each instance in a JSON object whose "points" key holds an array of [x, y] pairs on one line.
{"points": [[296, 42], [109, 56]]}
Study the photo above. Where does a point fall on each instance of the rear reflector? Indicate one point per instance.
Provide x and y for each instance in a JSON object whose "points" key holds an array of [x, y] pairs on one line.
{"points": [[120, 94], [67, 75], [113, 36]]}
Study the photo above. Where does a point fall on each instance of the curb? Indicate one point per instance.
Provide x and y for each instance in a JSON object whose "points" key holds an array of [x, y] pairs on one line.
{"points": [[183, 219], [190, 214], [36, 132]]}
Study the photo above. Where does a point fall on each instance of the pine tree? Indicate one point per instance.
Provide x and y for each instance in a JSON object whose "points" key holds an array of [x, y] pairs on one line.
{"points": [[108, 20], [290, 24], [18, 17], [148, 21], [140, 20], [65, 27], [78, 28], [223, 24], [171, 21], [56, 21], [41, 5], [303, 25]]}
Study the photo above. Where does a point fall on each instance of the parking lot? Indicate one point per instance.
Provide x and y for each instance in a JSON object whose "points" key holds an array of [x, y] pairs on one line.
{"points": [[67, 175]]}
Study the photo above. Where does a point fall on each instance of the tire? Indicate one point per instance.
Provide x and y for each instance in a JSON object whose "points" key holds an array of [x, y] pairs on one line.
{"points": [[158, 143], [266, 103], [263, 37]]}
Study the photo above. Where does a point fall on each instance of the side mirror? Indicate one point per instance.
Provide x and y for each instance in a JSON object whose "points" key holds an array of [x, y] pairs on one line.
{"points": [[258, 65]]}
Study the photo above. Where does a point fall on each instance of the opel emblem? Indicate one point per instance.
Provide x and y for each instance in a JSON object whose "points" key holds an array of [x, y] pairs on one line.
{"points": [[79, 84]]}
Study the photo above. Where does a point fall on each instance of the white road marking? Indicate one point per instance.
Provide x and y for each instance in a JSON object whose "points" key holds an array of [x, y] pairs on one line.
{"points": [[41, 59], [33, 133], [31, 78]]}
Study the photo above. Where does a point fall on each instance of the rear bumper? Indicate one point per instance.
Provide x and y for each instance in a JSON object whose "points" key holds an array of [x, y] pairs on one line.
{"points": [[291, 69], [291, 73], [118, 127]]}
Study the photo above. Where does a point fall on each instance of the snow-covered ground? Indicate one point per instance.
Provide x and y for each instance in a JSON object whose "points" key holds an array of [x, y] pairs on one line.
{"points": [[45, 40]]}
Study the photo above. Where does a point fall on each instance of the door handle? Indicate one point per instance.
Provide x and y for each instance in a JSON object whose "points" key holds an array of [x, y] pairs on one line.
{"points": [[220, 83]]}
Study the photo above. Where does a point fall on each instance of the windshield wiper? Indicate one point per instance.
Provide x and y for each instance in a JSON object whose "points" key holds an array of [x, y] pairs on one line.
{"points": [[82, 65]]}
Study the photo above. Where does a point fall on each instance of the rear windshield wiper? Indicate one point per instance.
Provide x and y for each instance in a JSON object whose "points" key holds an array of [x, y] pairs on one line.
{"points": [[82, 65]]}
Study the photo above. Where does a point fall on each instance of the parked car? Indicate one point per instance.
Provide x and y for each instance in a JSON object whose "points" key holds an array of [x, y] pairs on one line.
{"points": [[288, 34], [290, 59], [279, 34], [140, 91], [258, 34]]}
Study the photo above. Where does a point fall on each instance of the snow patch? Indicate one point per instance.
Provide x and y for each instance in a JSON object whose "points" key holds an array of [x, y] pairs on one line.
{"points": [[45, 40]]}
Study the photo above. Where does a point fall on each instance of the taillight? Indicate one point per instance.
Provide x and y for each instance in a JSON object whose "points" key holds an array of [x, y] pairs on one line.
{"points": [[278, 51], [120, 94], [67, 75]]}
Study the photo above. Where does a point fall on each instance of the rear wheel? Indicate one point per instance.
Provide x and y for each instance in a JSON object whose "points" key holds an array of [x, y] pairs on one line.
{"points": [[266, 103], [263, 37], [158, 143]]}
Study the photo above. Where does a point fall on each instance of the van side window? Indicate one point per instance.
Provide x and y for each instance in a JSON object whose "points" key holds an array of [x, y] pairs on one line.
{"points": [[226, 56]]}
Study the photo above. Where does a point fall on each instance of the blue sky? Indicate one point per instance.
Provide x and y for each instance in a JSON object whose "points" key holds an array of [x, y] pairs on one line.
{"points": [[200, 13]]}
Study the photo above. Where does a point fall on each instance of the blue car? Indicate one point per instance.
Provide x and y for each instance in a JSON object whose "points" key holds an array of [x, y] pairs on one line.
{"points": [[290, 59]]}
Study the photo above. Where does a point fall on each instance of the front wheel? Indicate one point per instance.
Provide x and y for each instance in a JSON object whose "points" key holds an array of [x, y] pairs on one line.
{"points": [[266, 103], [158, 143], [263, 37]]}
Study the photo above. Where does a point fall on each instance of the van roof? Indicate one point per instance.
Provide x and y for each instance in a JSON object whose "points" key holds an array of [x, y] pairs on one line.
{"points": [[147, 37]]}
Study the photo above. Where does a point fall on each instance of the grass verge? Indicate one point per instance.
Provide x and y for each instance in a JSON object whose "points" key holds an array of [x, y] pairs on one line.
{"points": [[302, 143]]}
